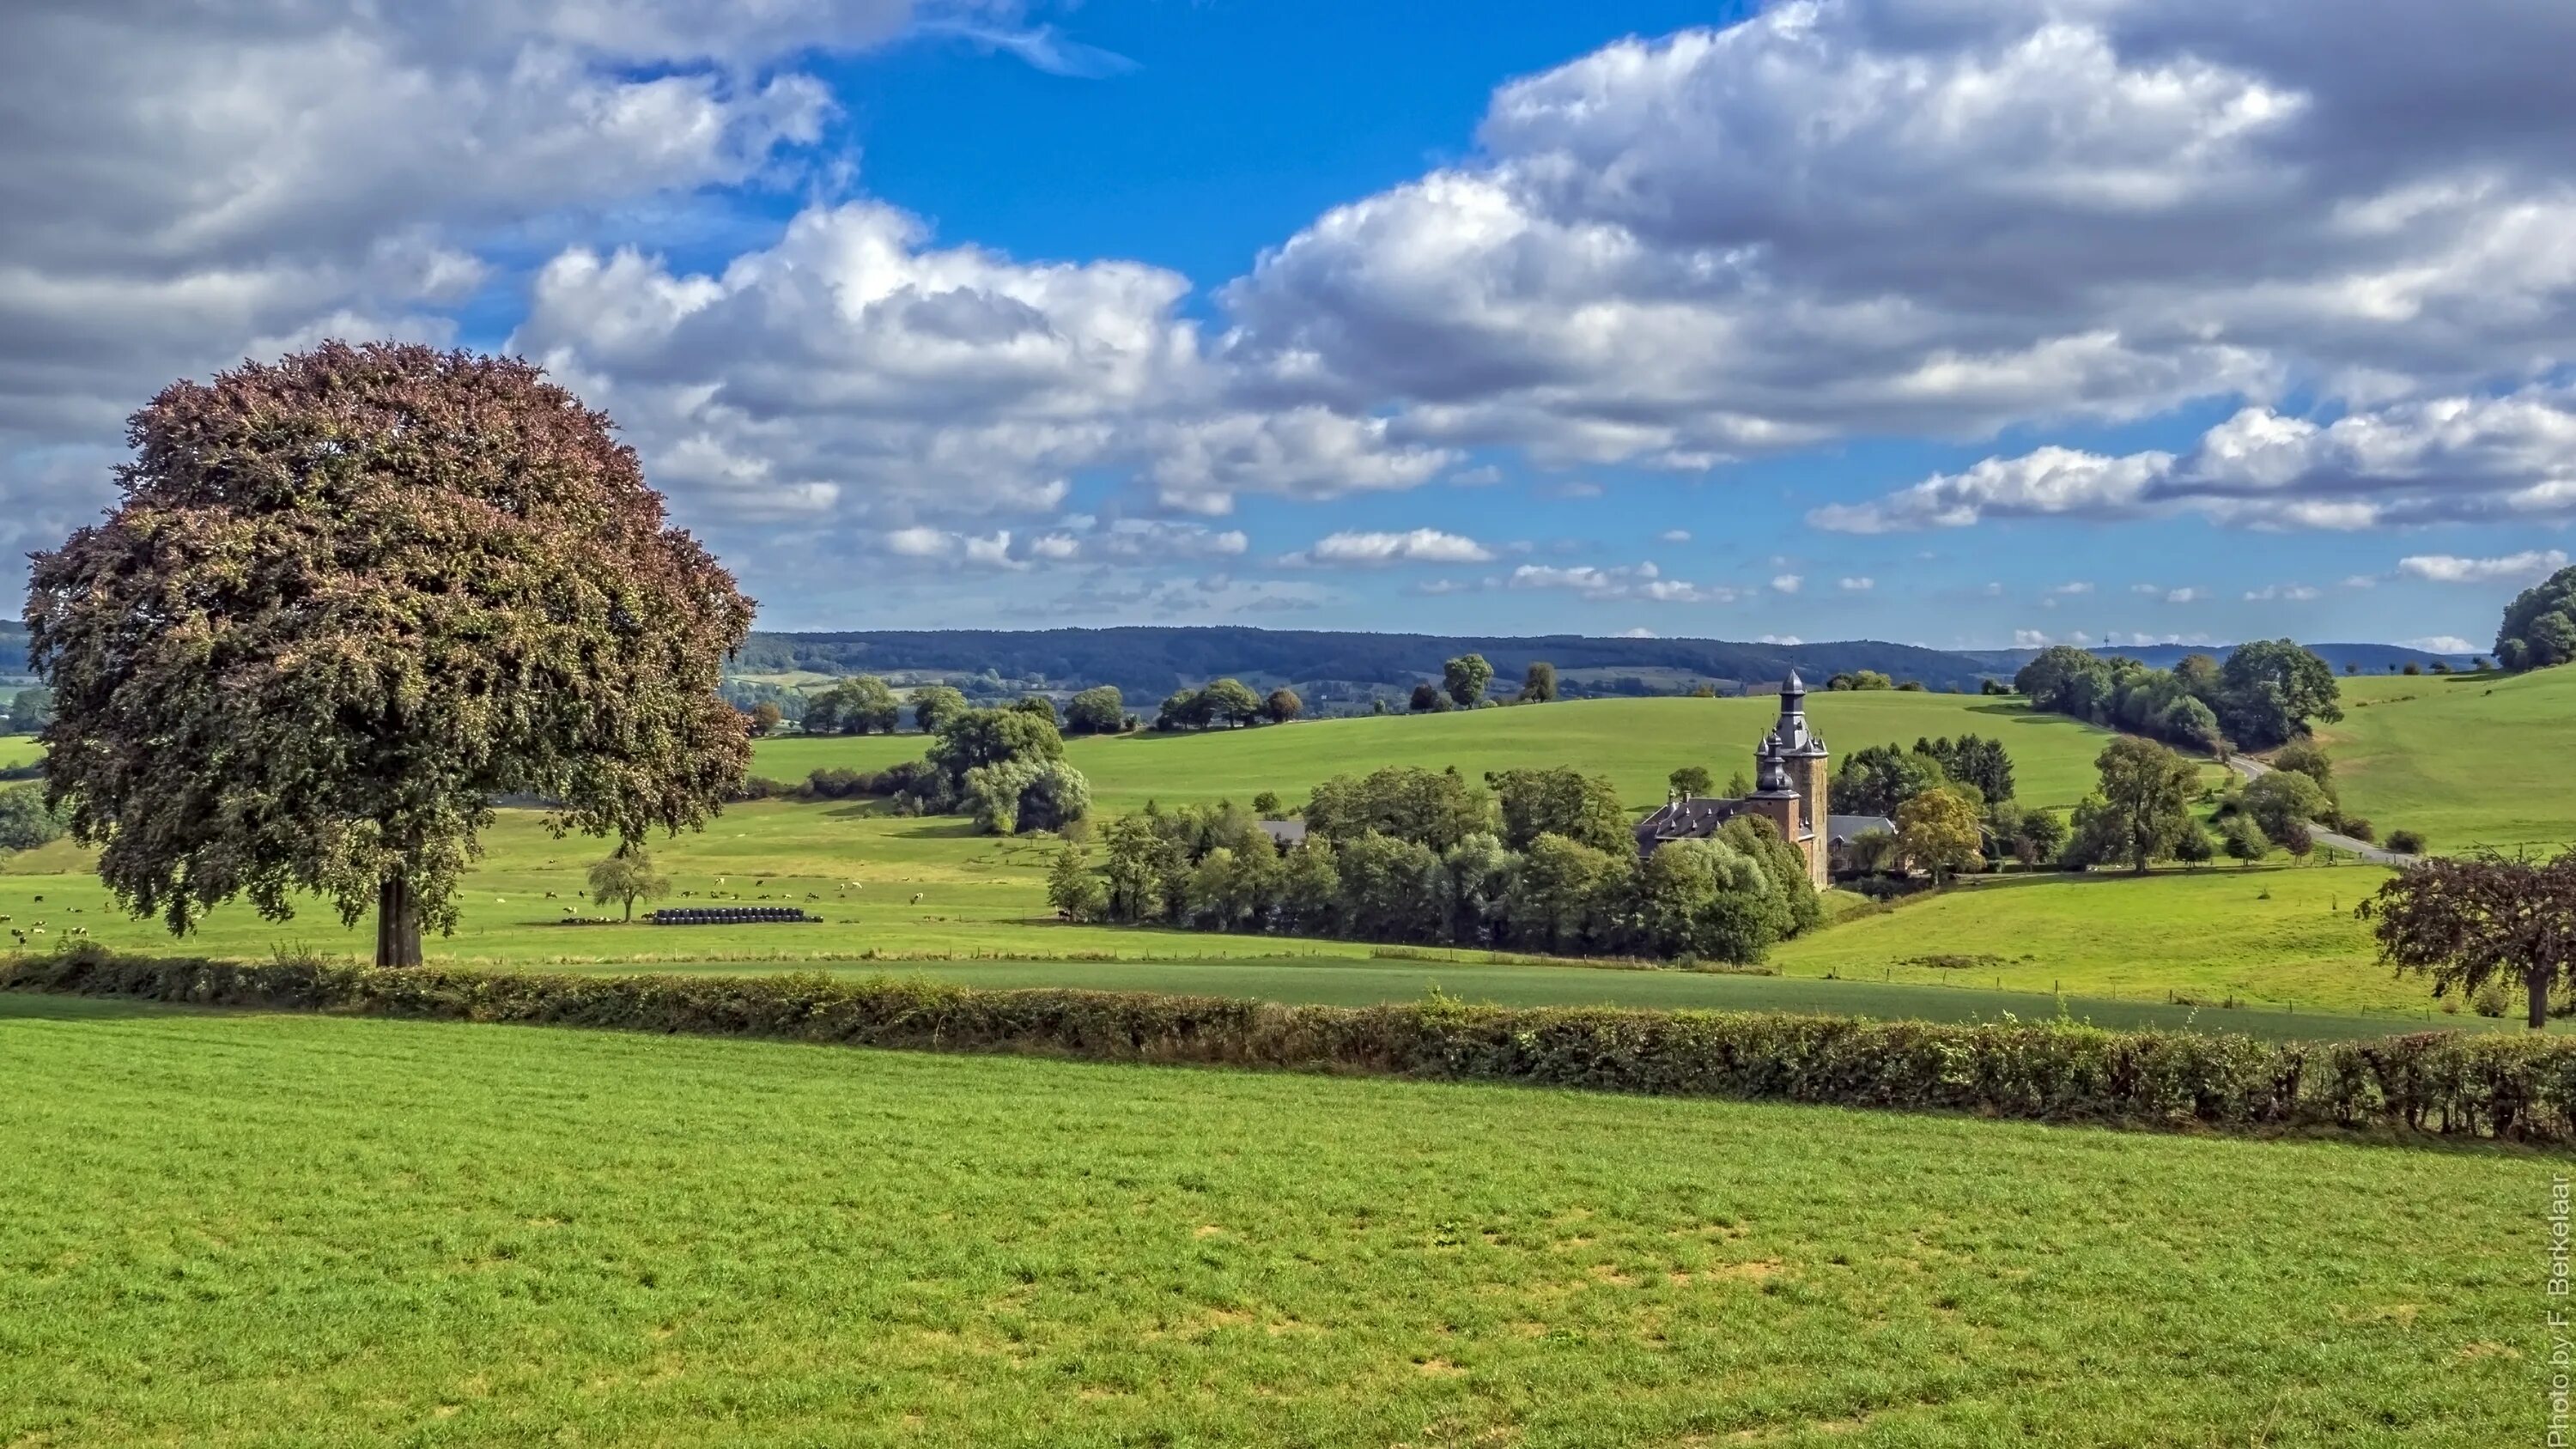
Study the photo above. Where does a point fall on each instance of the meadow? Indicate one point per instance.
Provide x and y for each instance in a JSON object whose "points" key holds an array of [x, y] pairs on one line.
{"points": [[1637, 743], [2469, 759], [237, 1228], [2122, 951]]}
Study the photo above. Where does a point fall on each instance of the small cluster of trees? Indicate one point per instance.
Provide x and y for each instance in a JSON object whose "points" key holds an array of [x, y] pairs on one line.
{"points": [[1229, 704], [1952, 801], [1465, 680], [29, 711], [2268, 693], [2539, 628], [1879, 779], [25, 821], [861, 705], [2142, 812], [1542, 860], [1099, 710]]}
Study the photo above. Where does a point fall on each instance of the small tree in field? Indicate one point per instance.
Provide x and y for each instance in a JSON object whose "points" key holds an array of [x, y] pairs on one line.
{"points": [[766, 718], [1282, 705], [2146, 790], [348, 599], [627, 877], [1940, 832], [1538, 683], [1464, 680], [2479, 919], [1077, 894], [1689, 780]]}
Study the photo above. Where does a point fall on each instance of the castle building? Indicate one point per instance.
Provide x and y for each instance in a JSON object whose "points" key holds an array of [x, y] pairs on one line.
{"points": [[1790, 786]]}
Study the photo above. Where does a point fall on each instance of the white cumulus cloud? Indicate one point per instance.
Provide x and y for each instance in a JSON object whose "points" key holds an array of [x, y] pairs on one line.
{"points": [[1362, 549], [2444, 568]]}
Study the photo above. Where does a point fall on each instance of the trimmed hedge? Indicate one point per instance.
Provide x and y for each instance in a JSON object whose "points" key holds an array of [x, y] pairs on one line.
{"points": [[2488, 1085]]}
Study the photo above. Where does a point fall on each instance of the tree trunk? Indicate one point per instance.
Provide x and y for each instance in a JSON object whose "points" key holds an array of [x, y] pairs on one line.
{"points": [[2538, 981], [397, 924]]}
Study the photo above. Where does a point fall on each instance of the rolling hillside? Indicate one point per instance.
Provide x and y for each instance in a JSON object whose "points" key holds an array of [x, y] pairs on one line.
{"points": [[1636, 742], [2468, 759]]}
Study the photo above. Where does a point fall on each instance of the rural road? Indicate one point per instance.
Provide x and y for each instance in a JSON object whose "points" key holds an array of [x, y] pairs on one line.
{"points": [[2254, 769]]}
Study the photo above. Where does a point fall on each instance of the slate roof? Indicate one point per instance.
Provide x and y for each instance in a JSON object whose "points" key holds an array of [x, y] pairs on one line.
{"points": [[1284, 833], [1839, 829]]}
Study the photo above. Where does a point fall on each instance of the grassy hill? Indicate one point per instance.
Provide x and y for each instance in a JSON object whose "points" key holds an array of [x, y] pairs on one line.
{"points": [[2469, 759], [2275, 936], [924, 895], [1636, 742], [330, 1231]]}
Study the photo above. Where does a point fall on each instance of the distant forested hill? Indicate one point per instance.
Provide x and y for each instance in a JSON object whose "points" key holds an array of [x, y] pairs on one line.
{"points": [[2367, 658], [1148, 661], [13, 647]]}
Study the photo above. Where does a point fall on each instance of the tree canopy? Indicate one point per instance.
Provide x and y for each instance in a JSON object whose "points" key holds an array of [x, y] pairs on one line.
{"points": [[2143, 810], [2482, 918], [2267, 693], [861, 705], [347, 599], [1099, 710], [1464, 680], [2539, 628]]}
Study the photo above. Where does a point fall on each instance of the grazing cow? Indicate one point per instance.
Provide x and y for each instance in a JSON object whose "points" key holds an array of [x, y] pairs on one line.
{"points": [[916, 898]]}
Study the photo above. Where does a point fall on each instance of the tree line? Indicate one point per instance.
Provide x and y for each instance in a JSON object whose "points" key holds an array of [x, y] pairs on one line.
{"points": [[1537, 860], [2267, 694]]}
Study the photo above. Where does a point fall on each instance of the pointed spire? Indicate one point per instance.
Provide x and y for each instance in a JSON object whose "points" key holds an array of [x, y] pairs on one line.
{"points": [[1793, 685]]}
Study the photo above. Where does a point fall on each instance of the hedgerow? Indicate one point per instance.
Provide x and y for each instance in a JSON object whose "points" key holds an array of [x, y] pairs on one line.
{"points": [[2486, 1085]]}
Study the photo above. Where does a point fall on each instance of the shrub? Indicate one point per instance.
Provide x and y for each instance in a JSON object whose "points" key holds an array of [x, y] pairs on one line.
{"points": [[2357, 827], [2481, 1084], [2406, 842]]}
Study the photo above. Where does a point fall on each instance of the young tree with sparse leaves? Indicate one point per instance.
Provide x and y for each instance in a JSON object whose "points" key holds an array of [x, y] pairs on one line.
{"points": [[344, 602], [627, 877], [1538, 683]]}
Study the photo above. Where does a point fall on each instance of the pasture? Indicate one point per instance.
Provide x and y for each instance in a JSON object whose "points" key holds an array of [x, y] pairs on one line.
{"points": [[2119, 949], [237, 1228], [1635, 742], [16, 750], [2469, 759], [2266, 936]]}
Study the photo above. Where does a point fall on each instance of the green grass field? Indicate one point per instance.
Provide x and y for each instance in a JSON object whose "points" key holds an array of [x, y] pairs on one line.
{"points": [[2116, 947], [2485, 759], [1636, 742], [2269, 936], [16, 750], [234, 1229]]}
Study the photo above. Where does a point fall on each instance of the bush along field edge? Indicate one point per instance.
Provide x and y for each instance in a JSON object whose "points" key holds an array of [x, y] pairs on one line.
{"points": [[2511, 1087]]}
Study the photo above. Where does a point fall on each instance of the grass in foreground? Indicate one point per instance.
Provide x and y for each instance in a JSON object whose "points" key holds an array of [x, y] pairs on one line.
{"points": [[244, 1228]]}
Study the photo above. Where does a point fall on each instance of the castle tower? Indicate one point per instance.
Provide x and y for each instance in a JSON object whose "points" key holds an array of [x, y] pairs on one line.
{"points": [[1774, 797], [1801, 755]]}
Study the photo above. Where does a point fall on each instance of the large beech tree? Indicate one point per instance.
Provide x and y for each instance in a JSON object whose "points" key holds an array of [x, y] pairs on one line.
{"points": [[346, 601]]}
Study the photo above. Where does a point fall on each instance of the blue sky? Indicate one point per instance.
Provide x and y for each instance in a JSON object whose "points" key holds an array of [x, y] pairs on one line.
{"points": [[1960, 322]]}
